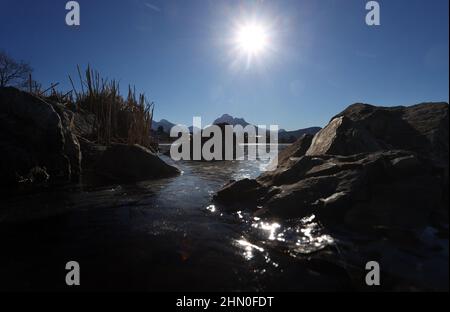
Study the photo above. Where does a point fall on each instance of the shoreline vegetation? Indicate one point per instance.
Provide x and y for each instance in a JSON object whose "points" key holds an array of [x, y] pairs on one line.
{"points": [[116, 119], [91, 134]]}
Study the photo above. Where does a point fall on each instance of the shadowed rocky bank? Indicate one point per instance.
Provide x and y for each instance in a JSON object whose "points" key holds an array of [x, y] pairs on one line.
{"points": [[377, 179], [40, 145], [371, 166]]}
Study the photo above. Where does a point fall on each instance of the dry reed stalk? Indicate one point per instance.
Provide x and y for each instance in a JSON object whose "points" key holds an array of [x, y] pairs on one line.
{"points": [[116, 119]]}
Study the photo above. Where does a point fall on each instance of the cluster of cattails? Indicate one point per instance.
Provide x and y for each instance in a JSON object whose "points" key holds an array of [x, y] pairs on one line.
{"points": [[116, 119]]}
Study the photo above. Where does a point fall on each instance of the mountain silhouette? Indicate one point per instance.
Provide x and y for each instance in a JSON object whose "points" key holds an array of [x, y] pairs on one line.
{"points": [[284, 136], [230, 120]]}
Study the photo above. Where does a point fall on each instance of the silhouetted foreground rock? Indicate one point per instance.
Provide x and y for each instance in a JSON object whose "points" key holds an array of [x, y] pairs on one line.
{"points": [[370, 167], [36, 143], [40, 143], [124, 163]]}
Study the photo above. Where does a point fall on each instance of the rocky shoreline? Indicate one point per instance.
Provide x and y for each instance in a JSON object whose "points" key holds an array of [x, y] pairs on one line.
{"points": [[371, 166], [377, 179], [43, 142]]}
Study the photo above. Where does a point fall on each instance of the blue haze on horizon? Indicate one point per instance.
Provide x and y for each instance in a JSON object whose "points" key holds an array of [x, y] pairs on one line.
{"points": [[321, 57]]}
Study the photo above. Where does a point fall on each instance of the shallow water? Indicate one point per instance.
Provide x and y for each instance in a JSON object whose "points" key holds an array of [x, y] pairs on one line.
{"points": [[158, 235], [168, 235]]}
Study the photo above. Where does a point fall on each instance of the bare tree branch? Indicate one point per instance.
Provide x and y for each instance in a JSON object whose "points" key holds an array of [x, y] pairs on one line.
{"points": [[13, 73]]}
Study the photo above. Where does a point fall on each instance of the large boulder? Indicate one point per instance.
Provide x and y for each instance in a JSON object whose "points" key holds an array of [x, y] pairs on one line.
{"points": [[343, 137], [370, 167], [362, 128], [35, 137], [245, 190], [121, 163]]}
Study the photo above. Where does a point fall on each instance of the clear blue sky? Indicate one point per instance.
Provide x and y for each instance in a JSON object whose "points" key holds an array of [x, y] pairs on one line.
{"points": [[321, 55]]}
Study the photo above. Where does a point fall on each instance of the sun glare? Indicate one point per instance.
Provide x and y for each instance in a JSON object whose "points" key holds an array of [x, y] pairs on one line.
{"points": [[252, 39]]}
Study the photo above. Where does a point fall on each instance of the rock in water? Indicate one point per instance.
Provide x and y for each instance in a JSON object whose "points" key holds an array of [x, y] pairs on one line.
{"points": [[243, 191], [35, 138], [370, 167], [122, 163]]}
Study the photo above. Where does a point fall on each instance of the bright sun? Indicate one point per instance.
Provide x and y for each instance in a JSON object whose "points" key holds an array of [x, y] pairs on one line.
{"points": [[252, 39]]}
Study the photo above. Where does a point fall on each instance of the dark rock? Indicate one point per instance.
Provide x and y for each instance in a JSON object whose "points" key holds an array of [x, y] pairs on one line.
{"points": [[244, 190], [299, 198], [38, 176], [421, 128], [33, 134], [84, 124], [296, 150], [72, 146], [289, 171], [371, 167], [122, 163], [361, 191], [343, 137], [91, 155], [405, 164]]}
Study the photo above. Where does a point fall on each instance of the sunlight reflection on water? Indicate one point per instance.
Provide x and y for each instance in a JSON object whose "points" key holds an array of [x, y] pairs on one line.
{"points": [[296, 238], [248, 248], [261, 242]]}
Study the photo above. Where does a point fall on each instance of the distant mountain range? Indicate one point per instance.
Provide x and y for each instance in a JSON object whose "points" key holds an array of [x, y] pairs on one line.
{"points": [[283, 135]]}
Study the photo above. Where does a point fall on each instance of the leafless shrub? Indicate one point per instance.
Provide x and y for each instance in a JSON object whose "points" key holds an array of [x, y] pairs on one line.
{"points": [[13, 73]]}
